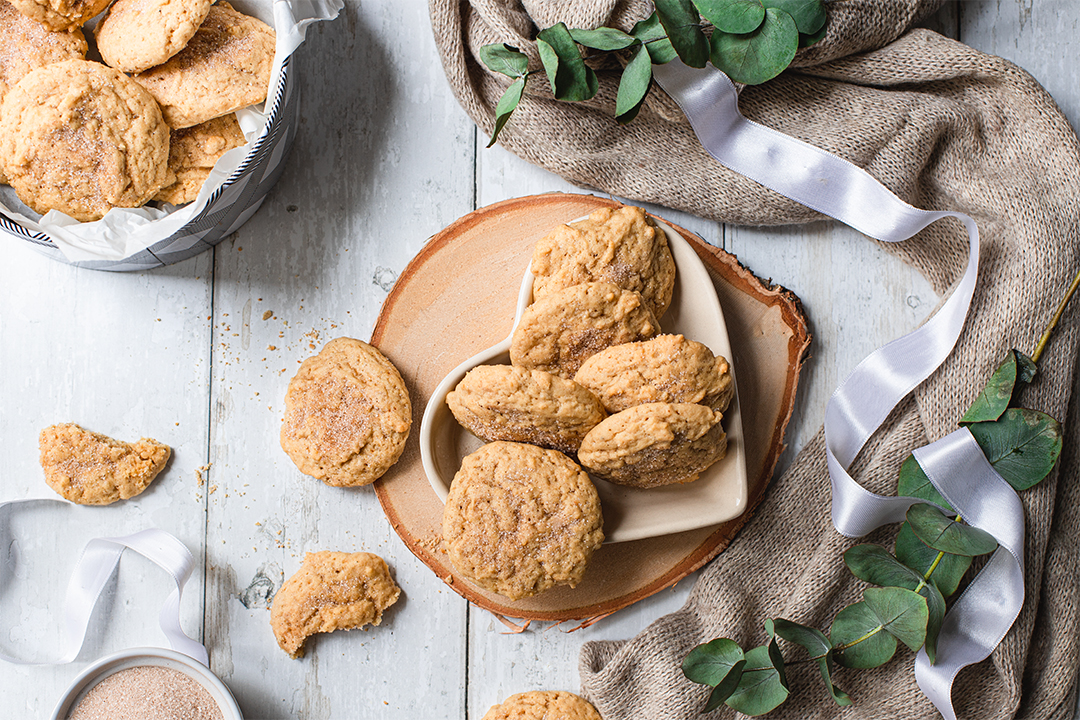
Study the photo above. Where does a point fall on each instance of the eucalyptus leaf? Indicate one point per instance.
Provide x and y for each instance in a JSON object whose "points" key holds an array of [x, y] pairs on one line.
{"points": [[725, 687], [859, 639], [761, 55], [1023, 445], [761, 688], [506, 106], [948, 571], [1026, 368], [996, 396], [710, 663], [571, 80], [902, 613], [634, 85], [809, 15], [914, 483], [652, 35], [683, 26], [819, 648], [733, 16], [602, 38], [806, 41], [505, 59], [943, 533]]}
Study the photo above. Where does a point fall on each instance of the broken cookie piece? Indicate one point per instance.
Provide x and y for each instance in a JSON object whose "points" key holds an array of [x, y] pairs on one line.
{"points": [[92, 469], [331, 591]]}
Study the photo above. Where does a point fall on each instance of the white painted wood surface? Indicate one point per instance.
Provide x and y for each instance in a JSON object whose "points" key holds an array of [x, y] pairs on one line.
{"points": [[385, 158]]}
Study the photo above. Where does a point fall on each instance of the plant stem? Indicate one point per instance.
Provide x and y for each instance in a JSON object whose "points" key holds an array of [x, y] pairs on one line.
{"points": [[856, 641], [1054, 321]]}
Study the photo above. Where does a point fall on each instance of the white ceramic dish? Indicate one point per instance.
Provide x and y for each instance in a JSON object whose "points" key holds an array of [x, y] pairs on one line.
{"points": [[720, 494], [140, 657]]}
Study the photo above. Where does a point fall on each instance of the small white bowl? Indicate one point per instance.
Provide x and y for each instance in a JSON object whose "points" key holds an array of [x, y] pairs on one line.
{"points": [[141, 657], [720, 494]]}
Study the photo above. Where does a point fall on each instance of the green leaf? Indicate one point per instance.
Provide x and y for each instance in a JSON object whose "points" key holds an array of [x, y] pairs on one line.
{"points": [[710, 663], [809, 15], [761, 55], [725, 687], [505, 59], [913, 552], [995, 397], [761, 688], [859, 639], [506, 106], [733, 16], [602, 38], [943, 533], [571, 80], [1026, 368], [914, 483], [819, 648], [634, 85], [806, 41], [652, 35], [683, 26], [902, 613], [1023, 445]]}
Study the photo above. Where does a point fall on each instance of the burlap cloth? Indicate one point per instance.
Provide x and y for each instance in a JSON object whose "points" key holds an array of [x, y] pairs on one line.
{"points": [[946, 128]]}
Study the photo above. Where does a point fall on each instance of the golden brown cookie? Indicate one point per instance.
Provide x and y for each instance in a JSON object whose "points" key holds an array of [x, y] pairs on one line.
{"points": [[192, 154], [136, 35], [668, 368], [617, 245], [92, 469], [82, 138], [654, 444], [561, 330], [60, 14], [502, 402], [543, 705], [521, 519], [331, 591], [347, 414], [224, 67]]}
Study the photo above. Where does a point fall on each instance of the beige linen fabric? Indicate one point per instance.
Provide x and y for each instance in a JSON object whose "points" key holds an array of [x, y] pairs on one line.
{"points": [[945, 127]]}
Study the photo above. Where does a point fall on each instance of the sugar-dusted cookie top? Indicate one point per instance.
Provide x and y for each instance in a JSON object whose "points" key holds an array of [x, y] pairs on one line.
{"points": [[521, 519], [82, 138], [543, 705], [92, 469], [136, 35], [347, 414], [331, 591], [224, 67], [501, 402], [192, 154], [60, 14], [668, 368], [617, 245], [654, 444], [561, 330]]}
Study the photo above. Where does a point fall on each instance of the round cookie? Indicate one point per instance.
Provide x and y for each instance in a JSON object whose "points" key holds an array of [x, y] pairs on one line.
{"points": [[82, 138], [502, 402], [654, 444], [543, 705], [347, 414], [60, 14], [618, 245], [92, 469], [561, 330], [224, 67], [668, 368], [192, 154], [136, 35], [521, 519], [331, 591]]}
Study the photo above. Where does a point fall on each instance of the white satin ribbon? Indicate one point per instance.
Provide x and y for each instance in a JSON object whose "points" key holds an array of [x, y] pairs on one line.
{"points": [[96, 565], [955, 465]]}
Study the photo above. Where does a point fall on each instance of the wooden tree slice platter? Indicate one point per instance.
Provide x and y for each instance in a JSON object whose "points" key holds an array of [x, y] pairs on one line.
{"points": [[457, 298]]}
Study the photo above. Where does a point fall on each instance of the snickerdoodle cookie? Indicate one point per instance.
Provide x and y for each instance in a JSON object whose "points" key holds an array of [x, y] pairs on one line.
{"points": [[60, 14], [521, 519], [224, 67], [136, 35], [668, 368], [347, 414], [92, 469], [82, 138], [192, 154], [654, 444], [561, 330], [543, 705], [617, 245], [331, 591], [501, 402]]}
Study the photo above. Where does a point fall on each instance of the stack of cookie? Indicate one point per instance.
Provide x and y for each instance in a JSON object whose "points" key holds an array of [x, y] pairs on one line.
{"points": [[83, 137], [592, 380]]}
